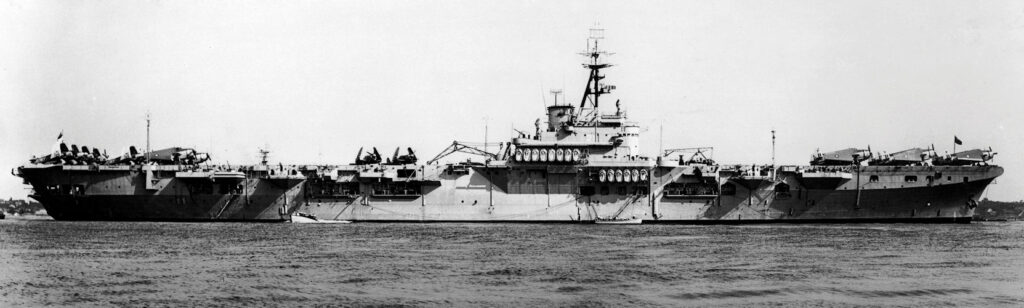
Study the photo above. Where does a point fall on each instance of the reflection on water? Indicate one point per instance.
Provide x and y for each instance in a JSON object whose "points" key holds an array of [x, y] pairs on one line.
{"points": [[178, 264]]}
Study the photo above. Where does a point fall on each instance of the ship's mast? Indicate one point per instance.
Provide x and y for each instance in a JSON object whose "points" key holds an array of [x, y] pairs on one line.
{"points": [[594, 87], [486, 133], [147, 138], [263, 155], [773, 148], [774, 177]]}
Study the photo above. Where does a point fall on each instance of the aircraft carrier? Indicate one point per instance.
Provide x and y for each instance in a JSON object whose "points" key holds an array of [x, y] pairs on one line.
{"points": [[582, 166]]}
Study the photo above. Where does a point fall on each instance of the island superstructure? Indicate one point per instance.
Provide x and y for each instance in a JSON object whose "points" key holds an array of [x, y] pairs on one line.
{"points": [[582, 165]]}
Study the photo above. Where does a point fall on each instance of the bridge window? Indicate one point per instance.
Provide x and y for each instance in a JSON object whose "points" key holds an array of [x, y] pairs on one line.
{"points": [[910, 178], [873, 179], [966, 179]]}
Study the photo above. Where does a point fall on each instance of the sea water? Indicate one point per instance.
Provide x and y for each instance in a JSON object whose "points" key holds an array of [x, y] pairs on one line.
{"points": [[445, 264]]}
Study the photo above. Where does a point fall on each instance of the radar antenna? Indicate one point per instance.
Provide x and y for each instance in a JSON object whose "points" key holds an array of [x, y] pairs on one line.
{"points": [[594, 87], [264, 152], [556, 93]]}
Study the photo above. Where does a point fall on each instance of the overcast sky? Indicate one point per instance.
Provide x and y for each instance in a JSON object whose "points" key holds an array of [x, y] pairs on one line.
{"points": [[315, 81]]}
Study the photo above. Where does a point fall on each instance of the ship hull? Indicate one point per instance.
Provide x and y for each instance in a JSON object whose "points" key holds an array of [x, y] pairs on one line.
{"points": [[931, 220], [489, 195], [133, 193], [156, 208], [948, 203]]}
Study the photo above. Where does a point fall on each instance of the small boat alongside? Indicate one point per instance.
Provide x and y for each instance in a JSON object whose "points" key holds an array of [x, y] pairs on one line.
{"points": [[619, 221], [305, 218]]}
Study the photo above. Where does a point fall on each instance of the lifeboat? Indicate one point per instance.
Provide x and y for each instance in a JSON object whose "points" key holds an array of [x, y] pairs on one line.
{"points": [[643, 175], [636, 176], [618, 175], [519, 155], [534, 155], [543, 154], [576, 155], [560, 155], [602, 175], [551, 154]]}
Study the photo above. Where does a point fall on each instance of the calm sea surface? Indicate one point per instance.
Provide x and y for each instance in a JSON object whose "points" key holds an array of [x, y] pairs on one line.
{"points": [[239, 264]]}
